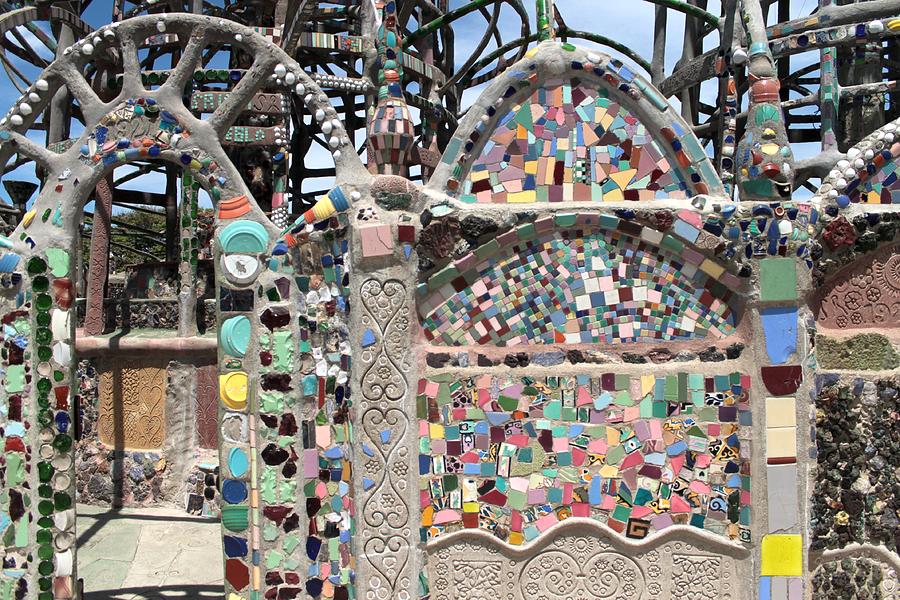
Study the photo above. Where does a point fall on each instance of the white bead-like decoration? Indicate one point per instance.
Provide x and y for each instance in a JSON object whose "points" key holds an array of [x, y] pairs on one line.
{"points": [[875, 27]]}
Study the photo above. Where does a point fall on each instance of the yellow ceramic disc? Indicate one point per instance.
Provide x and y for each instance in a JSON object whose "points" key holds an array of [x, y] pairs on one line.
{"points": [[233, 390]]}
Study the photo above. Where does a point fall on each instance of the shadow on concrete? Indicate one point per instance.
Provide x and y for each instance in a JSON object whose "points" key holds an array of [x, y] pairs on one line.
{"points": [[102, 519], [165, 592]]}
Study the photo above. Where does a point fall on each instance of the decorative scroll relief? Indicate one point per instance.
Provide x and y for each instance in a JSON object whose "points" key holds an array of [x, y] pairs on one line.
{"points": [[207, 406], [586, 566], [140, 393], [387, 435], [866, 295]]}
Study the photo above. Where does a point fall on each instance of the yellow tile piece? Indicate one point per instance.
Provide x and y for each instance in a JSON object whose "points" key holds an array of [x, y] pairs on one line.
{"points": [[781, 412], [782, 556], [623, 178], [609, 471], [781, 442], [612, 436], [614, 196], [712, 268], [521, 197]]}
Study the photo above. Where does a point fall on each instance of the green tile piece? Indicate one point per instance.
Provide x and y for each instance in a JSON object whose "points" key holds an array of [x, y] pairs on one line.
{"points": [[777, 279]]}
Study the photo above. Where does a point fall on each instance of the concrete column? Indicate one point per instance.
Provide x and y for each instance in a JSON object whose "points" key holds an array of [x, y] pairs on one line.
{"points": [[98, 269], [384, 384]]}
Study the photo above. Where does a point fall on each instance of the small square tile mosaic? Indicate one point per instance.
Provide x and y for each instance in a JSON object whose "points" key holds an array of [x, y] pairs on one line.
{"points": [[571, 143], [578, 287], [514, 456]]}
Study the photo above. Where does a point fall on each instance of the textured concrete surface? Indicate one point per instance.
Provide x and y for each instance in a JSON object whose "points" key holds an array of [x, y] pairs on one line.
{"points": [[148, 554]]}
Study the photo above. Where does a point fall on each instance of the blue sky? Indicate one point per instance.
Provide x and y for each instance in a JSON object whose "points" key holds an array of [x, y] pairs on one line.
{"points": [[630, 22]]}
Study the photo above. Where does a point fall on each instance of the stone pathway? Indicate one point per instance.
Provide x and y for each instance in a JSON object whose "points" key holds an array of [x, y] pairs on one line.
{"points": [[148, 554]]}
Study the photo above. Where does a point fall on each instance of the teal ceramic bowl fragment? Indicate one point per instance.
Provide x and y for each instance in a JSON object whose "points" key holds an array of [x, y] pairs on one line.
{"points": [[235, 336], [246, 237]]}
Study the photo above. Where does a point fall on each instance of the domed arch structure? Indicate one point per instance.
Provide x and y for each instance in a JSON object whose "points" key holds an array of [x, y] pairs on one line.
{"points": [[561, 97]]}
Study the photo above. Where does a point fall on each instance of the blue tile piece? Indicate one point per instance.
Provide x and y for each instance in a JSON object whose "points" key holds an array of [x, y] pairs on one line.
{"points": [[765, 588], [780, 328]]}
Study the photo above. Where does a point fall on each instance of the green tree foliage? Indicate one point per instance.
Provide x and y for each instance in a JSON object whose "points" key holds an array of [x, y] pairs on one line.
{"points": [[132, 229]]}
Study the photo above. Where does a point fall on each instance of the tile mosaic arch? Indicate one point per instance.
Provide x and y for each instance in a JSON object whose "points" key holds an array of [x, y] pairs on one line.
{"points": [[579, 278], [576, 126], [570, 142]]}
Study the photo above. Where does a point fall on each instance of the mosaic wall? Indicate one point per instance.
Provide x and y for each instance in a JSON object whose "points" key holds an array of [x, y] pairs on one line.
{"points": [[578, 285], [514, 464], [570, 142], [639, 453]]}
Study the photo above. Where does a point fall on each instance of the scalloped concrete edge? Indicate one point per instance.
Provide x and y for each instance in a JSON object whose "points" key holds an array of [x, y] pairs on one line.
{"points": [[585, 526]]}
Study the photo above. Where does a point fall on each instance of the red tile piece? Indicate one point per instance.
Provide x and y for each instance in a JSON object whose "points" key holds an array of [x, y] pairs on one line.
{"points": [[782, 380]]}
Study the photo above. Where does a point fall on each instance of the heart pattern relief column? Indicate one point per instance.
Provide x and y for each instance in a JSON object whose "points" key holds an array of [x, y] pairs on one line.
{"points": [[385, 436]]}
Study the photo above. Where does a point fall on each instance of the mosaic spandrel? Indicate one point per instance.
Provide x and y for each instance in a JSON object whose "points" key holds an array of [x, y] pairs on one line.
{"points": [[570, 142]]}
